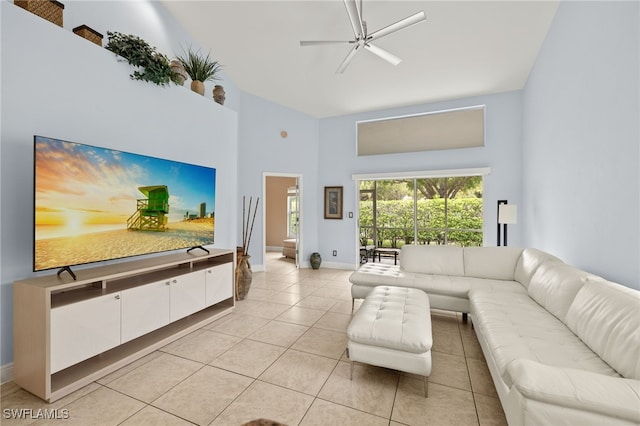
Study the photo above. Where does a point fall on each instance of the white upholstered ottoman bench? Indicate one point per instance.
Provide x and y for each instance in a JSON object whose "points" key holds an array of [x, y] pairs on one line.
{"points": [[392, 329]]}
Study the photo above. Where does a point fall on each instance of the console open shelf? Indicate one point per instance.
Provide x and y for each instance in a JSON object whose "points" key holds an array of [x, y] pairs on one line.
{"points": [[68, 333]]}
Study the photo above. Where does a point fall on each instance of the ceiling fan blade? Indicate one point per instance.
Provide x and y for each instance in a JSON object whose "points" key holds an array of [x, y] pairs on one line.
{"points": [[348, 59], [354, 18], [322, 42], [392, 59], [404, 23]]}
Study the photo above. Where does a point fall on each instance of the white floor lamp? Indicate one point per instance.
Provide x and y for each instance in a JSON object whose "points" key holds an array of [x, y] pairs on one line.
{"points": [[507, 215]]}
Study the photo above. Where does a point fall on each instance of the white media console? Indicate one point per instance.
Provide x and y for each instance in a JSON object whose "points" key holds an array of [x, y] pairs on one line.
{"points": [[68, 333]]}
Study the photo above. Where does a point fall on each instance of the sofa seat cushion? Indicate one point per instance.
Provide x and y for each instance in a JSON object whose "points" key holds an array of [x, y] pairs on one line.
{"points": [[613, 397], [455, 286], [394, 318], [375, 274], [514, 326], [606, 316]]}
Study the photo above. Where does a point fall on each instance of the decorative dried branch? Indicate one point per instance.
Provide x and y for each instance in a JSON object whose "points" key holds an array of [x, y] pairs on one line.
{"points": [[247, 223], [253, 220]]}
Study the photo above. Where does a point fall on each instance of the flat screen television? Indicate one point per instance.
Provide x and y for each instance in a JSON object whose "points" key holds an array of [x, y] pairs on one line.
{"points": [[94, 204]]}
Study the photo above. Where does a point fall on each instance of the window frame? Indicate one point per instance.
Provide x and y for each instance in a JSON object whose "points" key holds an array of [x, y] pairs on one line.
{"points": [[481, 171]]}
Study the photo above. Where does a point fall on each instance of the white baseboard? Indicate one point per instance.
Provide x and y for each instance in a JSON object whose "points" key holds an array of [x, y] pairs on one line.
{"points": [[274, 248], [331, 265], [6, 373]]}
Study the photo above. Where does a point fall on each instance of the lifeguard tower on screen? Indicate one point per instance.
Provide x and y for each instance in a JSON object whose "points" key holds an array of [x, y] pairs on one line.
{"points": [[151, 212]]}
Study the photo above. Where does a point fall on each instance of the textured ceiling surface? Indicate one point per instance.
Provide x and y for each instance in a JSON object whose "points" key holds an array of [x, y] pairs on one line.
{"points": [[463, 49]]}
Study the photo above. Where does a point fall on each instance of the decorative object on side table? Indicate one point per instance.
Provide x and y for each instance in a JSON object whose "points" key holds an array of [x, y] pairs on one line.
{"points": [[89, 34], [155, 65], [315, 259], [244, 275], [219, 94], [199, 68], [50, 10], [333, 202]]}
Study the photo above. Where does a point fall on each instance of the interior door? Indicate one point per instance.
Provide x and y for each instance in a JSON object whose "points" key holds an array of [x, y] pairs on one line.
{"points": [[294, 216]]}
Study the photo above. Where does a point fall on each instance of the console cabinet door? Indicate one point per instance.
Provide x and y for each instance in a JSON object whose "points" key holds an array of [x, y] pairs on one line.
{"points": [[145, 308], [83, 329], [187, 294], [219, 281]]}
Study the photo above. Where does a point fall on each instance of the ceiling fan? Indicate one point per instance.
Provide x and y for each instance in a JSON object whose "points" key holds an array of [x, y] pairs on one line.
{"points": [[363, 39]]}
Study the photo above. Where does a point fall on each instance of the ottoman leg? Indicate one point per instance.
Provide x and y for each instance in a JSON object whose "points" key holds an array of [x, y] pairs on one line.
{"points": [[353, 301], [426, 387], [351, 372]]}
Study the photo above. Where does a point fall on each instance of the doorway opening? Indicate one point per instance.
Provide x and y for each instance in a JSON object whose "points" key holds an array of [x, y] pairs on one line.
{"points": [[282, 217]]}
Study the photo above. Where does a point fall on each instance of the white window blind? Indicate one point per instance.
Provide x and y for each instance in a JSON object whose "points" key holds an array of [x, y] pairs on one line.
{"points": [[450, 129]]}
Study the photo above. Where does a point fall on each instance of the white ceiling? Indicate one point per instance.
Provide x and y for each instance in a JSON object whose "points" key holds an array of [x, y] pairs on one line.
{"points": [[464, 48]]}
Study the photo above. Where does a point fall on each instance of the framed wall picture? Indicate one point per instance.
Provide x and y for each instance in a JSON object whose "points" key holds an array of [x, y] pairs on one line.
{"points": [[333, 202]]}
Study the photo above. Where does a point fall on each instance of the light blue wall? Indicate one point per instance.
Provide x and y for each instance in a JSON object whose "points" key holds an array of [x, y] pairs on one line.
{"points": [[57, 84], [575, 126], [261, 149], [581, 140], [502, 153], [152, 22]]}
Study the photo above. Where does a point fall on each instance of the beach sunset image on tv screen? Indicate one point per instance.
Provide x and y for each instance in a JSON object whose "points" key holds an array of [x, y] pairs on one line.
{"points": [[93, 204]]}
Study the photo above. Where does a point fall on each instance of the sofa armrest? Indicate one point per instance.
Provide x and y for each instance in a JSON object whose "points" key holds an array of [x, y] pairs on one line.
{"points": [[583, 390]]}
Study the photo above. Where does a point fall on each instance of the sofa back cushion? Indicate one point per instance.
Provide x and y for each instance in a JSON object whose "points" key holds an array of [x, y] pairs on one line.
{"points": [[555, 285], [529, 262], [442, 260], [606, 317], [497, 263]]}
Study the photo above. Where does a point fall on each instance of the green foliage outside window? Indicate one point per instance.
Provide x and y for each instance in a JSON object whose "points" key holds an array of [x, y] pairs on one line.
{"points": [[463, 226]]}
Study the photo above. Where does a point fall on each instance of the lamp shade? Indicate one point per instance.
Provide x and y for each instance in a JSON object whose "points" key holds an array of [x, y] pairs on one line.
{"points": [[507, 214]]}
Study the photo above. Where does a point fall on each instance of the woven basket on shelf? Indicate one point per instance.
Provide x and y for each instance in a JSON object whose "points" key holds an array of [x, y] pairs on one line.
{"points": [[89, 33], [50, 10]]}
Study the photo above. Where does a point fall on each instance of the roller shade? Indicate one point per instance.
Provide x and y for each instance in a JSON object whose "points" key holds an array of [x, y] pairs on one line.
{"points": [[451, 129]]}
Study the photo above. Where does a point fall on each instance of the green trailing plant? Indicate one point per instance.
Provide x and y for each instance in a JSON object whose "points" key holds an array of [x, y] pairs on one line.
{"points": [[154, 66], [199, 67]]}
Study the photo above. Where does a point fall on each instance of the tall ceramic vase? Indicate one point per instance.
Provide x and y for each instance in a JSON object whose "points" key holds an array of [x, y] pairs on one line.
{"points": [[243, 277]]}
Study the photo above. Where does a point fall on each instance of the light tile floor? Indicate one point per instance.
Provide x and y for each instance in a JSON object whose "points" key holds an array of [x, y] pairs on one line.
{"points": [[281, 355]]}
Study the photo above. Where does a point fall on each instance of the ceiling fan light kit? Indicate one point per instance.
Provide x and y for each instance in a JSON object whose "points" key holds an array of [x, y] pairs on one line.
{"points": [[363, 39]]}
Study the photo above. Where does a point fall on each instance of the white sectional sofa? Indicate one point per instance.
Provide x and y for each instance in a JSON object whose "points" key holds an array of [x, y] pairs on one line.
{"points": [[562, 345]]}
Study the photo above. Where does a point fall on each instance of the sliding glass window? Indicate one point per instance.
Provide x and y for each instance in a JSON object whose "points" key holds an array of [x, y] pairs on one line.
{"points": [[446, 210]]}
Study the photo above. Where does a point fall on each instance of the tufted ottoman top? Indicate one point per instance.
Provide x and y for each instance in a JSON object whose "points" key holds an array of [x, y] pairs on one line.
{"points": [[395, 318]]}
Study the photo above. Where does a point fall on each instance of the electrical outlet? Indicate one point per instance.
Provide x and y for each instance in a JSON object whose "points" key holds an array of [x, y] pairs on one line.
{"points": [[335, 252]]}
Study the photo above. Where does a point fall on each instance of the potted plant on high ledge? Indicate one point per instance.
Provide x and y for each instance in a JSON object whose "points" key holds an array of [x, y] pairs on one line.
{"points": [[151, 65], [200, 69]]}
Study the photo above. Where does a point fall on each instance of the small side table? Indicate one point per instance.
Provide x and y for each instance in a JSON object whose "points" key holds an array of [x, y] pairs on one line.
{"points": [[386, 252]]}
